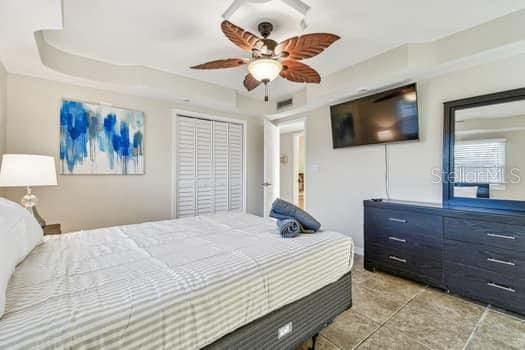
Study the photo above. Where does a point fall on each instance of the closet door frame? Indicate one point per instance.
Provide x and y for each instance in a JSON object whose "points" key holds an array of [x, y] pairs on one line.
{"points": [[190, 114]]}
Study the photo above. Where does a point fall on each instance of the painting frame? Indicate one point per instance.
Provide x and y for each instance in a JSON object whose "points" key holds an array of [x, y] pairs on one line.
{"points": [[103, 106]]}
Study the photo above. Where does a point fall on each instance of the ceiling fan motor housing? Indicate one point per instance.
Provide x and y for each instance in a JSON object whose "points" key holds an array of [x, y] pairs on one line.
{"points": [[265, 28]]}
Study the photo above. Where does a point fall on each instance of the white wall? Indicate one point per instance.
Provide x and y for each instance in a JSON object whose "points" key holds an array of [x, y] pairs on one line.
{"points": [[287, 175], [81, 202], [339, 180], [301, 160], [3, 113]]}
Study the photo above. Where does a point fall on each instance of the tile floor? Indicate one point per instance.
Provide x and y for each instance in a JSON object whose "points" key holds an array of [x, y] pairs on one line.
{"points": [[394, 313]]}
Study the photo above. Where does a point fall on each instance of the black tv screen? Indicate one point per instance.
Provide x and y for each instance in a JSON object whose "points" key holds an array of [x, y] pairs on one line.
{"points": [[389, 116]]}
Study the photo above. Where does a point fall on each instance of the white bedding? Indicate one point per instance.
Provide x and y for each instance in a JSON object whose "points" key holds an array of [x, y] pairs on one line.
{"points": [[179, 284]]}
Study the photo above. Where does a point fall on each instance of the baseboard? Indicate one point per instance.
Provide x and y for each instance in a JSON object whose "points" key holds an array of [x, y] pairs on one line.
{"points": [[359, 251]]}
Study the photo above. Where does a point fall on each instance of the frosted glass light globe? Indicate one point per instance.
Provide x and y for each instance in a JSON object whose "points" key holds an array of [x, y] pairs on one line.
{"points": [[265, 69]]}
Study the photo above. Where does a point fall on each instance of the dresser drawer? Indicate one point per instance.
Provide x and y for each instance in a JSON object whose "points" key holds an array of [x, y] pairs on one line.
{"points": [[389, 222], [487, 233], [486, 286], [400, 258], [423, 261], [429, 261], [506, 262], [403, 240]]}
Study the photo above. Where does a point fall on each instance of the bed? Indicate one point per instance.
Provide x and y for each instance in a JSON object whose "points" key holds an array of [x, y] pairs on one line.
{"points": [[217, 282]]}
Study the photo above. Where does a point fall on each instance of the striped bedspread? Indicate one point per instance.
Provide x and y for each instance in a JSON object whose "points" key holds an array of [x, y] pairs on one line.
{"points": [[178, 284]]}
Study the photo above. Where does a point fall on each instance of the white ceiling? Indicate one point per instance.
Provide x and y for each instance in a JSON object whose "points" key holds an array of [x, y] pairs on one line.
{"points": [[174, 35]]}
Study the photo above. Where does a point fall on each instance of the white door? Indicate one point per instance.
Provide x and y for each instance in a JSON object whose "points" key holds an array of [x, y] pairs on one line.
{"points": [[205, 167], [236, 166], [186, 167], [220, 157], [209, 166], [271, 165]]}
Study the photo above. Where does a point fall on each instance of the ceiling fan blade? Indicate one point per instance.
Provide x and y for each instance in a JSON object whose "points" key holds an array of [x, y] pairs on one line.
{"points": [[305, 46], [250, 82], [220, 64], [240, 37], [299, 72]]}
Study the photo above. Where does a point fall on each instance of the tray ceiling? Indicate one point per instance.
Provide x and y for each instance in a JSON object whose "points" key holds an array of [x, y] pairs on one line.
{"points": [[173, 35]]}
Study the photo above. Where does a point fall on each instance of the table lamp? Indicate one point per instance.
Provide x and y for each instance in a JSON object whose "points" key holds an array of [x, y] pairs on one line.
{"points": [[27, 170]]}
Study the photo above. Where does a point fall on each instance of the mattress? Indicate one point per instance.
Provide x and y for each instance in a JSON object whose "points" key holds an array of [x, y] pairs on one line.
{"points": [[177, 284]]}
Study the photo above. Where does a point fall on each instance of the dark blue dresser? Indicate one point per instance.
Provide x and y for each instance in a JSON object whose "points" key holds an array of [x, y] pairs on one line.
{"points": [[475, 252]]}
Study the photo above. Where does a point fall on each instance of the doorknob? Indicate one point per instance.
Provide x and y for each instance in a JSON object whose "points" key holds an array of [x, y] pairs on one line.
{"points": [[266, 184]]}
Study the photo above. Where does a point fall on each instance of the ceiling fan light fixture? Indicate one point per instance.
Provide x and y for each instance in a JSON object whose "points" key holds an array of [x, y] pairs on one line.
{"points": [[270, 59], [265, 69]]}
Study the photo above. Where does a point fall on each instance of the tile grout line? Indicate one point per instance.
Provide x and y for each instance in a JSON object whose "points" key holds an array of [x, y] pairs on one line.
{"points": [[368, 336], [328, 340], [382, 324], [476, 327]]}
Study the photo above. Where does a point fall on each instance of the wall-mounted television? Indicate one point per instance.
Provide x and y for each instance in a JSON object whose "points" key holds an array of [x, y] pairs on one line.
{"points": [[389, 116]]}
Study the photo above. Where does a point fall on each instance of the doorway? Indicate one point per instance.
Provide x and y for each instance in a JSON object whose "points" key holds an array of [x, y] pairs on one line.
{"points": [[292, 163], [298, 158], [284, 163]]}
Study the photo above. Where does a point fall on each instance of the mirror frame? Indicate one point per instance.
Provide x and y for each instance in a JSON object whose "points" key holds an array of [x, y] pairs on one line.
{"points": [[448, 150]]}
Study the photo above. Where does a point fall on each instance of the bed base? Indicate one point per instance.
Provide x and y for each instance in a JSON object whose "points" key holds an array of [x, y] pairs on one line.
{"points": [[293, 324]]}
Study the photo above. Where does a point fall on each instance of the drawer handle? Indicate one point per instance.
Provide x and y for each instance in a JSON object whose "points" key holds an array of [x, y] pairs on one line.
{"points": [[392, 257], [501, 262], [397, 239], [398, 220], [495, 285], [500, 236]]}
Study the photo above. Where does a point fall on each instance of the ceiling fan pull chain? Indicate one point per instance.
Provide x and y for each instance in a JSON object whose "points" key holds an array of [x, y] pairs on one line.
{"points": [[266, 91]]}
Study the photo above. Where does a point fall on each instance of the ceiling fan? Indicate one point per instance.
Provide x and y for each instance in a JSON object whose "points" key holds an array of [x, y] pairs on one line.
{"points": [[270, 59]]}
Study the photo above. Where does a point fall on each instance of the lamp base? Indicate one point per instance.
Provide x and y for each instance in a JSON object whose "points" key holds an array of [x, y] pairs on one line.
{"points": [[38, 218], [29, 201]]}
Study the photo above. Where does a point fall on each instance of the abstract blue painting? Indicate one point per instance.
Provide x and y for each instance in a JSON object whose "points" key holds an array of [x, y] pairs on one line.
{"points": [[100, 139]]}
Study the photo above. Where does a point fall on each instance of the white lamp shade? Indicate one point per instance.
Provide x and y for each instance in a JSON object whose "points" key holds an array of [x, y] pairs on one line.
{"points": [[265, 69], [21, 170]]}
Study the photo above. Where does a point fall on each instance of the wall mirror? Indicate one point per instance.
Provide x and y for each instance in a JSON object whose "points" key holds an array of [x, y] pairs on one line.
{"points": [[484, 151]]}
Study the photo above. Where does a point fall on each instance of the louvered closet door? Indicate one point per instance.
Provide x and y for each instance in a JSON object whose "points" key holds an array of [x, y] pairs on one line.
{"points": [[186, 174], [205, 167], [220, 157], [209, 166], [235, 171]]}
